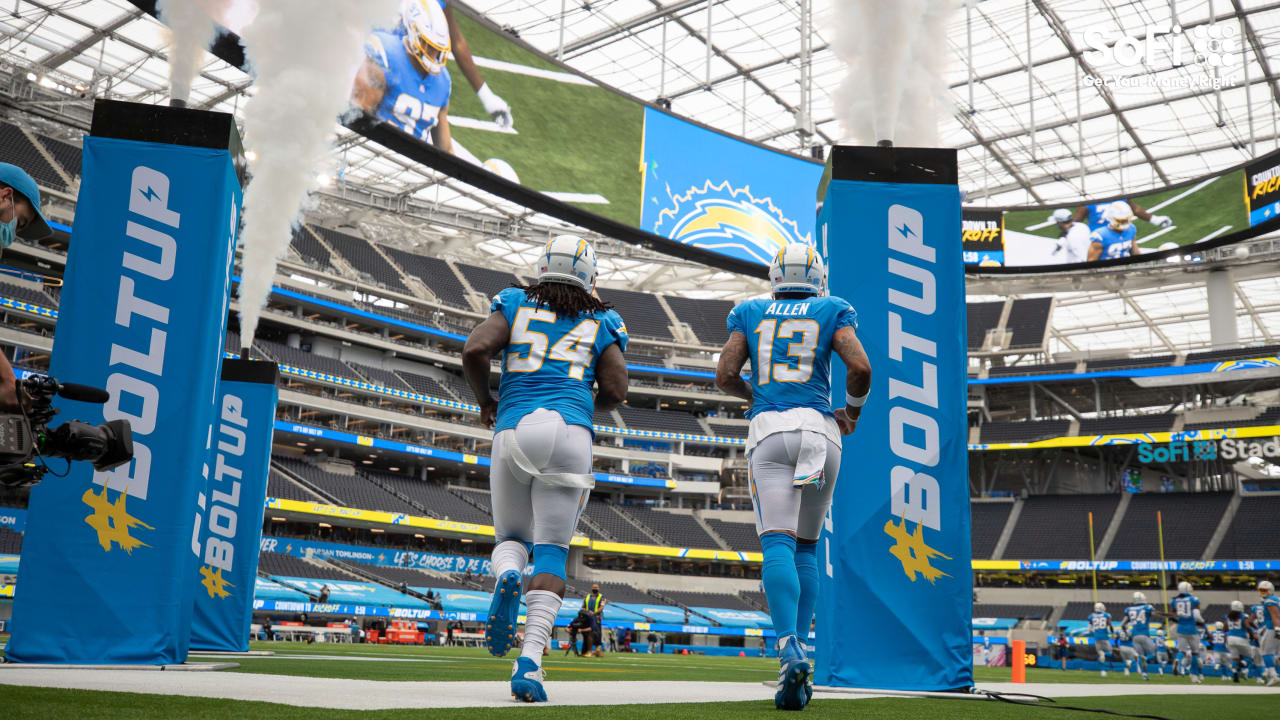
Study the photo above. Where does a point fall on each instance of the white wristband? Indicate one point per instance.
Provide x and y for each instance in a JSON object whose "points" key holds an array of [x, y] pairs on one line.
{"points": [[486, 95], [855, 402]]}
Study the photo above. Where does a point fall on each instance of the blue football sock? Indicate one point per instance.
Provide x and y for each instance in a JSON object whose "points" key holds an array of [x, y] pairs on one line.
{"points": [[1195, 665], [807, 569], [781, 583]]}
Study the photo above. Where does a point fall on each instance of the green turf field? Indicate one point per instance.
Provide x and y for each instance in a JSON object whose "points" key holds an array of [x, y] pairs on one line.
{"points": [[1219, 203], [572, 138]]}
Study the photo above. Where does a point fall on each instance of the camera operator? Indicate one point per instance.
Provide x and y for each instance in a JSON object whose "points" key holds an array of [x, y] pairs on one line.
{"points": [[19, 216]]}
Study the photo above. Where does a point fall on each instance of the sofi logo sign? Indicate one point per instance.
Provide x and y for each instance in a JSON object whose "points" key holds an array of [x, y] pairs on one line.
{"points": [[1224, 449], [1214, 45]]}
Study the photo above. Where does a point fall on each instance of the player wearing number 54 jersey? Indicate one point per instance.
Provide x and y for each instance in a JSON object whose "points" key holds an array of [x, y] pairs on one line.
{"points": [[556, 341], [793, 443]]}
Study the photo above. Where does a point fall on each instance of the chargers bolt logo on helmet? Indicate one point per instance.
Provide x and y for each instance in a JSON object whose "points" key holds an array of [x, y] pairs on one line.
{"points": [[797, 268], [1119, 215], [568, 259], [1237, 606], [1266, 588], [1184, 587], [426, 33], [1139, 597], [1099, 608]]}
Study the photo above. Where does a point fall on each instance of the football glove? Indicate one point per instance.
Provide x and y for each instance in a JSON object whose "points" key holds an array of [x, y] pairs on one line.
{"points": [[1161, 221], [497, 108]]}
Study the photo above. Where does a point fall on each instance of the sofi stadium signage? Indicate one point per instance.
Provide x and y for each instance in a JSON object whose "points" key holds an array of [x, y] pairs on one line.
{"points": [[1223, 449]]}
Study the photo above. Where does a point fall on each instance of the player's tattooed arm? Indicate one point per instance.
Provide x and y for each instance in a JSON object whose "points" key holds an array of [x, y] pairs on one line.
{"points": [[1095, 251], [857, 381], [611, 379], [369, 87], [729, 370], [488, 338]]}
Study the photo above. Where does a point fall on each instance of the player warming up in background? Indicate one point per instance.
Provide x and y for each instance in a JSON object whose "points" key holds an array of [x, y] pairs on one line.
{"points": [[793, 443], [1186, 610], [1269, 638], [1100, 627], [1117, 237], [1137, 622], [1239, 626], [556, 341]]}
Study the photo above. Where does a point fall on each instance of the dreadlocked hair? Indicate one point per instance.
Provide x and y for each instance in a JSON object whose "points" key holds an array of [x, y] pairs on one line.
{"points": [[564, 299]]}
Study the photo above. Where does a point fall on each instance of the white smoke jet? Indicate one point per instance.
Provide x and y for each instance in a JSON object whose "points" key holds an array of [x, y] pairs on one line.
{"points": [[191, 32], [894, 52], [304, 54]]}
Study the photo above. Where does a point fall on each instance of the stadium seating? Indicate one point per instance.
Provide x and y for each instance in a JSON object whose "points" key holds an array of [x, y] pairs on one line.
{"points": [[378, 376], [1159, 422], [1026, 612], [1128, 363], [26, 294], [660, 420], [488, 281], [722, 429], [476, 496], [1252, 533], [279, 486], [640, 311], [363, 257], [20, 151], [273, 563], [705, 317], [425, 385], [1243, 353], [638, 358], [982, 317], [350, 490], [603, 514], [739, 535], [1051, 368], [1056, 527], [1190, 519], [305, 360], [433, 498], [614, 592], [67, 155], [309, 248], [434, 273], [1081, 609], [395, 575], [987, 520], [702, 599], [679, 530], [1029, 321], [1027, 431], [10, 542]]}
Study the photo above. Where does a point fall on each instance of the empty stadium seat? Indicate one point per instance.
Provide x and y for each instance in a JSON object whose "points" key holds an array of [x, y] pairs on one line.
{"points": [[279, 486], [705, 317], [1056, 527], [603, 515], [393, 576], [678, 529], [660, 420], [351, 490], [1243, 353], [310, 249], [615, 592], [425, 384], [434, 273], [987, 520], [1189, 519], [1026, 431], [10, 542], [67, 155], [723, 429], [982, 317], [378, 376], [20, 151], [1012, 611], [363, 257], [273, 563], [1126, 363], [640, 311], [26, 294], [739, 535], [487, 280], [1252, 534], [1029, 321], [1051, 368], [306, 360], [1159, 422], [434, 498], [704, 599]]}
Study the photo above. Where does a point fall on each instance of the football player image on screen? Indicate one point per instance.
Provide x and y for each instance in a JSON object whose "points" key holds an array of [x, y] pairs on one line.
{"points": [[403, 79], [1095, 214], [1118, 238], [1073, 238]]}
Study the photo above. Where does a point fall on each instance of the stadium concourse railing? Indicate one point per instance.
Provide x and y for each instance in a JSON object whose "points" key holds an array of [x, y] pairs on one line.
{"points": [[1246, 367]]}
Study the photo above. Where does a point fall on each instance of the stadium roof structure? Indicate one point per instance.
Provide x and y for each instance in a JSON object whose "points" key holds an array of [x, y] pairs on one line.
{"points": [[1029, 129]]}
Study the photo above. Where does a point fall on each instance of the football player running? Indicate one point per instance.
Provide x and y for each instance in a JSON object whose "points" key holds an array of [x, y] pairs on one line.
{"points": [[1118, 238], [1137, 622], [793, 442], [556, 340], [1269, 638], [1186, 609], [1239, 626], [403, 79], [1095, 214], [1100, 626]]}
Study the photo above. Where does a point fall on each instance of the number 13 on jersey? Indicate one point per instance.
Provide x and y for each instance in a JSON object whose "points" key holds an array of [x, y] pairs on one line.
{"points": [[800, 351]]}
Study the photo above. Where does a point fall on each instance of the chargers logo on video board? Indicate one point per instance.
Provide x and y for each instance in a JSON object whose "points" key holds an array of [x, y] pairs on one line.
{"points": [[719, 193]]}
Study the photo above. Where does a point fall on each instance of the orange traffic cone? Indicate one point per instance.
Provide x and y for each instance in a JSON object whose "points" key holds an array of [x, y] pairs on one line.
{"points": [[742, 653], [684, 651]]}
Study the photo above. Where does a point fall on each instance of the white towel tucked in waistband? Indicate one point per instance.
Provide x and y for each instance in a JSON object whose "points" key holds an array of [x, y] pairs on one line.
{"points": [[811, 460]]}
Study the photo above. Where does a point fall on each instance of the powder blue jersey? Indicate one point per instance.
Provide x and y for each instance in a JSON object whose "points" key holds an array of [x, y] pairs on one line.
{"points": [[1114, 244], [1235, 627], [1096, 211], [1218, 640], [550, 361], [1100, 625], [1184, 607], [413, 98], [1139, 617], [1271, 601], [790, 343]]}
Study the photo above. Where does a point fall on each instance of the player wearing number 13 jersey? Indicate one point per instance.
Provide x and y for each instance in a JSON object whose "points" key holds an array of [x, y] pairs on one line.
{"points": [[556, 341], [793, 444]]}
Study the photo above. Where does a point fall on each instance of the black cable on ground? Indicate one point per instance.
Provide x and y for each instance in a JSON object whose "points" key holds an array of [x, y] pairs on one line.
{"points": [[1054, 705]]}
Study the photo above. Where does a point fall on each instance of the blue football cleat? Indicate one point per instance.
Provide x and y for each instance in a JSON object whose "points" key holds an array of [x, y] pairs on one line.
{"points": [[504, 612], [793, 677], [526, 681]]}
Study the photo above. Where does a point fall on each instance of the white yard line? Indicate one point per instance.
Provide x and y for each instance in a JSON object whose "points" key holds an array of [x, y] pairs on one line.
{"points": [[1213, 234], [1037, 226], [1184, 193], [1156, 234], [592, 198], [474, 124], [564, 77]]}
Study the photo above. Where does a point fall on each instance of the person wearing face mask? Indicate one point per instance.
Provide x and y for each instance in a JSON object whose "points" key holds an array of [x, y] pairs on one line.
{"points": [[20, 216]]}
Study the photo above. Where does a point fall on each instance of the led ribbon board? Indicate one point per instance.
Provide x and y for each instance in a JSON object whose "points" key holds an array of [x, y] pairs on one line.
{"points": [[106, 555], [228, 531], [895, 551]]}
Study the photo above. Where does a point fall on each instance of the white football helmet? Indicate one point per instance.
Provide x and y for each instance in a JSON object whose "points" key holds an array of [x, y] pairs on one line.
{"points": [[1099, 607], [1266, 588], [1237, 606], [1119, 215], [1184, 587], [568, 259], [1139, 597], [798, 268], [426, 33]]}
